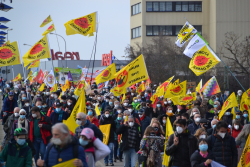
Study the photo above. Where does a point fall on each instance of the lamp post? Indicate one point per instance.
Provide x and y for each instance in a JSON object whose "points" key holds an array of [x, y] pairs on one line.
{"points": [[8, 33]]}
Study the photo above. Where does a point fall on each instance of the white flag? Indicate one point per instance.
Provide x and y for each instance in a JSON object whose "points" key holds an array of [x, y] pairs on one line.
{"points": [[196, 43], [216, 164], [50, 79]]}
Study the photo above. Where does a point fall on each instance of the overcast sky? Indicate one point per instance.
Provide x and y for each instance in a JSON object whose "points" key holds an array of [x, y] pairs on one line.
{"points": [[114, 30]]}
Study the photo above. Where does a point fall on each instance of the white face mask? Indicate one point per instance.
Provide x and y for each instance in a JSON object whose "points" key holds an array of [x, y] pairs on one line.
{"points": [[78, 122], [164, 121], [107, 115], [140, 116], [56, 141], [34, 115], [99, 98], [116, 105], [130, 110], [16, 114], [170, 111], [69, 103], [178, 109], [125, 104], [165, 102], [124, 117], [169, 101], [27, 104], [132, 94], [202, 137], [135, 101], [222, 135], [179, 129], [119, 111], [112, 97], [197, 119], [131, 124], [47, 93], [236, 127]]}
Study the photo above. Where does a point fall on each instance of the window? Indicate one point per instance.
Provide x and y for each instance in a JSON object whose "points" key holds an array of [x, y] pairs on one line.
{"points": [[136, 9], [174, 6], [155, 30], [199, 29], [177, 29], [136, 32], [149, 31]]}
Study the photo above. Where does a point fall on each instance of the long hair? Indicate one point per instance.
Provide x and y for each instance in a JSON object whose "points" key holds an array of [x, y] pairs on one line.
{"points": [[244, 132], [148, 130], [160, 129], [198, 132]]}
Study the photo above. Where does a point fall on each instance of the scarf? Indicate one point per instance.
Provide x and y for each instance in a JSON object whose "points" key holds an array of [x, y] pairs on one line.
{"points": [[170, 114], [20, 122], [142, 117]]}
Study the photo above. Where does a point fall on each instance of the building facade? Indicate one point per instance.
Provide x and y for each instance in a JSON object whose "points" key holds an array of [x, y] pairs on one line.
{"points": [[212, 18]]}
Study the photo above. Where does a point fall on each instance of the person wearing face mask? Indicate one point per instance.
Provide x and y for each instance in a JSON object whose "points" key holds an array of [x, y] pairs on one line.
{"points": [[117, 153], [200, 134], [106, 103], [83, 122], [197, 105], [70, 105], [51, 100], [135, 103], [228, 117], [195, 125], [21, 101], [8, 106], [181, 145], [45, 108], [159, 110], [149, 110], [246, 117], [170, 114], [58, 115], [239, 96], [17, 152], [130, 141], [236, 128], [99, 99], [203, 157], [145, 120], [27, 108], [63, 101], [106, 118], [111, 104], [92, 117], [223, 146], [163, 121], [21, 122], [181, 109], [39, 105], [125, 104], [63, 147], [94, 148], [38, 95], [117, 110], [39, 131], [20, 94], [224, 97], [16, 93], [157, 126], [134, 114]]}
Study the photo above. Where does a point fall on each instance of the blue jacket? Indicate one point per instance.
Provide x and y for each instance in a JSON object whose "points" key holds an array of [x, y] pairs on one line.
{"points": [[9, 105], [223, 98], [54, 117], [104, 105], [51, 158], [50, 101], [144, 124], [97, 131], [193, 127]]}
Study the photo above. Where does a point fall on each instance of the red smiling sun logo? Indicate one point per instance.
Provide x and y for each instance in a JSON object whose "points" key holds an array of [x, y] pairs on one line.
{"points": [[50, 27], [6, 53], [82, 22], [36, 49], [200, 60]]}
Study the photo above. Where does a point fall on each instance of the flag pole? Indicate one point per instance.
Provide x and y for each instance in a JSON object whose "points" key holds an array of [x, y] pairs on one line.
{"points": [[13, 73]]}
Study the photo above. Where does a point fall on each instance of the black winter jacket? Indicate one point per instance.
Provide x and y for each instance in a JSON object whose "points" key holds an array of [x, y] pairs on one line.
{"points": [[103, 121], [198, 161]]}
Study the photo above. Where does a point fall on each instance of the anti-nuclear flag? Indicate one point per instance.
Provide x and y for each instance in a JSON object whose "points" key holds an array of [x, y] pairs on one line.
{"points": [[83, 25], [50, 79], [244, 105], [199, 86], [118, 92], [186, 33], [211, 87], [97, 110], [79, 107], [203, 60], [66, 86], [46, 21], [229, 103], [49, 30], [9, 54], [68, 163], [79, 88], [42, 87], [245, 156], [30, 73], [18, 77], [134, 72], [176, 82], [106, 75], [148, 81], [34, 64], [39, 51], [196, 43], [105, 131], [140, 89], [54, 88], [165, 84], [184, 99], [176, 90]]}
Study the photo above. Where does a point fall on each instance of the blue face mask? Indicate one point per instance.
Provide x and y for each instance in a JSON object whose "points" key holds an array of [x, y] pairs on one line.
{"points": [[217, 98], [58, 109], [44, 106], [214, 126], [119, 118], [158, 105], [90, 113], [22, 116], [203, 147], [21, 141], [245, 115], [237, 116], [215, 106], [24, 98], [39, 107], [118, 97], [83, 142], [110, 103]]}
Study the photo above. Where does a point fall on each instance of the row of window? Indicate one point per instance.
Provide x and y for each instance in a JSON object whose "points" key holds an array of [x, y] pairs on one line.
{"points": [[191, 6], [161, 30], [136, 9]]}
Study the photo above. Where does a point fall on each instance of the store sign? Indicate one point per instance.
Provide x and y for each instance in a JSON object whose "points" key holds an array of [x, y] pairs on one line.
{"points": [[67, 55]]}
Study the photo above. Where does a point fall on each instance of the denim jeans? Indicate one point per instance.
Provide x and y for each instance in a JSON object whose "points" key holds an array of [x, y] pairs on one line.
{"points": [[130, 156], [39, 147], [109, 158], [116, 149]]}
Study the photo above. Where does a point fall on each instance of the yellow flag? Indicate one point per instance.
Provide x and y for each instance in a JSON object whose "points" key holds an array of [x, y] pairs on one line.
{"points": [[39, 51], [46, 21], [18, 77], [244, 159], [233, 112], [169, 131], [105, 131], [68, 163], [79, 107], [79, 88], [184, 99], [34, 64], [54, 88], [66, 86], [9, 54], [244, 105], [42, 87], [176, 90], [186, 33], [106, 75], [176, 82], [165, 84], [198, 87], [97, 110], [124, 97], [134, 72], [30, 73], [49, 30], [83, 25], [118, 92], [91, 34], [203, 60], [229, 103], [141, 88], [153, 98]]}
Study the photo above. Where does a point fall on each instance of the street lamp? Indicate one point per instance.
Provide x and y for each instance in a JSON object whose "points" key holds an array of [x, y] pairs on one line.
{"points": [[8, 33], [64, 42]]}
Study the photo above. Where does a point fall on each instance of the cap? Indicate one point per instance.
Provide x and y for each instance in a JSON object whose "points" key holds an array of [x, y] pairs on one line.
{"points": [[88, 133], [129, 106], [141, 111], [11, 94], [22, 110], [58, 104]]}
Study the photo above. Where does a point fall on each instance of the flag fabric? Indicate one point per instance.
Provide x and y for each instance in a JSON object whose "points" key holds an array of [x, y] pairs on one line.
{"points": [[9, 54], [140, 89], [184, 99], [165, 84], [54, 88], [39, 51], [85, 25], [245, 156], [46, 21], [50, 79], [79, 88], [66, 86], [233, 112], [186, 33], [118, 92], [68, 163], [100, 85], [106, 75], [211, 87], [196, 43], [229, 103], [203, 60], [97, 111], [70, 77], [18, 77], [153, 98], [42, 87], [39, 77], [79, 107], [176, 82], [199, 86], [49, 30], [134, 72], [244, 103], [30, 73], [34, 64], [176, 90], [148, 81], [105, 131]]}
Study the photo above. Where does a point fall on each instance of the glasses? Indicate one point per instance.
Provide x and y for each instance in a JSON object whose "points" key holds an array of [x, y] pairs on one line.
{"points": [[79, 119]]}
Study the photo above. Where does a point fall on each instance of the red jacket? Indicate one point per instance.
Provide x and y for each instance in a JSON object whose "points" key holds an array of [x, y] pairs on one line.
{"points": [[236, 132], [45, 130], [94, 121]]}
